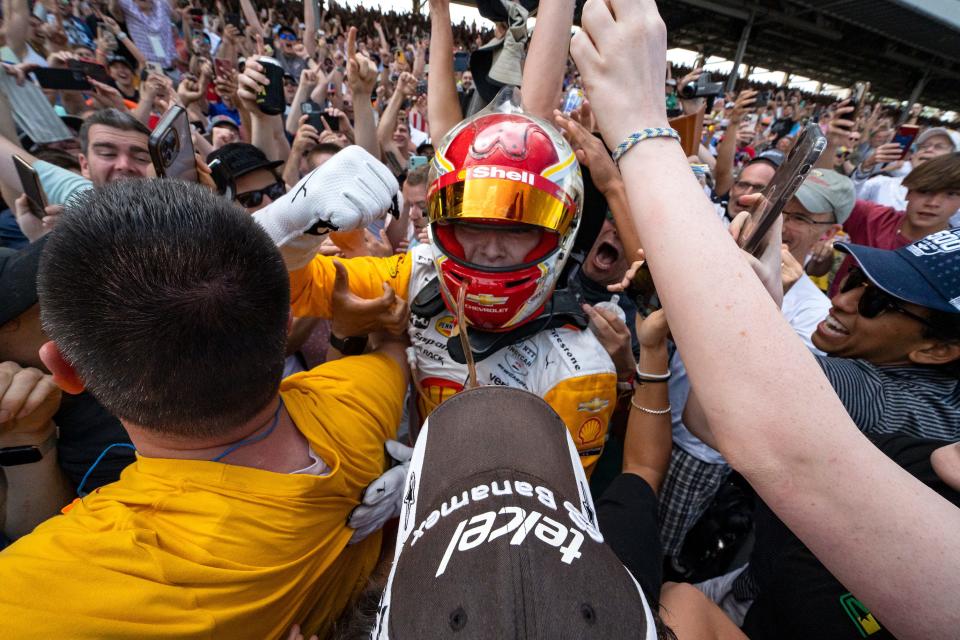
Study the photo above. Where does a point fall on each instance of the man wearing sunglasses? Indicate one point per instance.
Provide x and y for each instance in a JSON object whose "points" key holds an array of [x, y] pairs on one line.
{"points": [[285, 46], [251, 180]]}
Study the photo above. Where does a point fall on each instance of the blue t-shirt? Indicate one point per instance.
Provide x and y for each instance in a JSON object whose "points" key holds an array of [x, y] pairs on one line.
{"points": [[58, 183]]}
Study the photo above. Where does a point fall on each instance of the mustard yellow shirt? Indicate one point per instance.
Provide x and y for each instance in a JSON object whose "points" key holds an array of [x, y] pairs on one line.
{"points": [[197, 549]]}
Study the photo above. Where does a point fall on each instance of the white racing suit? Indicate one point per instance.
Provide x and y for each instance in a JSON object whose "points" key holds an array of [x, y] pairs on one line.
{"points": [[565, 366]]}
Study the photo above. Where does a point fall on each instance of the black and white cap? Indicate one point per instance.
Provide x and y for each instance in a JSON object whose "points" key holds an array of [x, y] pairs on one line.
{"points": [[498, 535]]}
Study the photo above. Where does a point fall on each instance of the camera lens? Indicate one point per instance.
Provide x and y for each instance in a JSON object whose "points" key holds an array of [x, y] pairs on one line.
{"points": [[169, 147]]}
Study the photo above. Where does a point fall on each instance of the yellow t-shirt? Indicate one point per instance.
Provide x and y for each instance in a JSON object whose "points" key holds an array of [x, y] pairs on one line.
{"points": [[197, 549]]}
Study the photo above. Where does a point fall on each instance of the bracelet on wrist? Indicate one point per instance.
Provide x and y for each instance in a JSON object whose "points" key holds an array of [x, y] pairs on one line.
{"points": [[643, 376], [634, 139], [652, 412]]}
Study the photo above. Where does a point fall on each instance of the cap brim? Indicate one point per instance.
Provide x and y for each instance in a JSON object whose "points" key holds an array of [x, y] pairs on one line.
{"points": [[266, 165], [498, 532], [893, 274]]}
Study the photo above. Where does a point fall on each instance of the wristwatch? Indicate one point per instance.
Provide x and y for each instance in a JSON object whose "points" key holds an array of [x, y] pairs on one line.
{"points": [[27, 454], [349, 346], [121, 35]]}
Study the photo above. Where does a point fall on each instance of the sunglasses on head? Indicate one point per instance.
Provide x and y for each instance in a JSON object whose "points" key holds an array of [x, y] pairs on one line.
{"points": [[254, 198], [875, 300]]}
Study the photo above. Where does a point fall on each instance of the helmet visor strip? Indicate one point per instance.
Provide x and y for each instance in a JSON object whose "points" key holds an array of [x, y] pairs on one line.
{"points": [[507, 200]]}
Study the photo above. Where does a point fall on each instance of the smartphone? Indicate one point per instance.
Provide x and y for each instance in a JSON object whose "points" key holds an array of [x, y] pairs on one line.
{"points": [[906, 133], [223, 68], [461, 61], [171, 147], [61, 79], [762, 99], [31, 186], [751, 121], [857, 94], [643, 292], [91, 69], [332, 122], [415, 162], [422, 88], [314, 113], [789, 176]]}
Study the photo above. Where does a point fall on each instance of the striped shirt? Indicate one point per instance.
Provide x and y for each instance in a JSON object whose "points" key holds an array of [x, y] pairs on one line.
{"points": [[913, 400]]}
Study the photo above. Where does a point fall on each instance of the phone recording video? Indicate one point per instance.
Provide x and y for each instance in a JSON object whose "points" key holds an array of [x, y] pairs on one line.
{"points": [[789, 176], [171, 147], [30, 181]]}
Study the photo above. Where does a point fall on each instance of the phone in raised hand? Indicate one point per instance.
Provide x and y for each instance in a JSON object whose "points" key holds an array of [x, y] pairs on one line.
{"points": [[171, 146], [30, 181], [789, 176]]}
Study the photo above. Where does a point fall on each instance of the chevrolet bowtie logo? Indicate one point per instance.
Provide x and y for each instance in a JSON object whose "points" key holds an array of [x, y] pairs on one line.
{"points": [[593, 406]]}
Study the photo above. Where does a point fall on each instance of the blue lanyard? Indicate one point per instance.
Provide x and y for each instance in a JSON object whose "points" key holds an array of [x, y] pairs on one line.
{"points": [[254, 439], [231, 449]]}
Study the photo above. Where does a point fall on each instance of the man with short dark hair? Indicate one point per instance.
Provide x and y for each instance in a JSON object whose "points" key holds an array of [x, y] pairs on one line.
{"points": [[232, 521], [113, 146]]}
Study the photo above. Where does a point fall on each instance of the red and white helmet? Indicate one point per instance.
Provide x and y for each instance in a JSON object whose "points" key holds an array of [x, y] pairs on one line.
{"points": [[503, 167]]}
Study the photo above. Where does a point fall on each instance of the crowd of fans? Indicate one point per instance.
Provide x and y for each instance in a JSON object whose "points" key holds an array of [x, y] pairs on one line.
{"points": [[214, 397]]}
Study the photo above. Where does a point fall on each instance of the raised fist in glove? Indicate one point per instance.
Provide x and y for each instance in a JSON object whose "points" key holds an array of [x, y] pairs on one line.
{"points": [[347, 192], [382, 499]]}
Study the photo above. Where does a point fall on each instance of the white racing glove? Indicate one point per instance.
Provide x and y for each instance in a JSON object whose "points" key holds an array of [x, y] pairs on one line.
{"points": [[349, 191], [382, 498]]}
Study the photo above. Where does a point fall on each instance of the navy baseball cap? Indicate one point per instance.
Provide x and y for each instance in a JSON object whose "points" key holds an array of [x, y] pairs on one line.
{"points": [[925, 273]]}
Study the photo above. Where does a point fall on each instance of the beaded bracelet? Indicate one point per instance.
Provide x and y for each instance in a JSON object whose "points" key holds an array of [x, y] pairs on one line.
{"points": [[640, 136]]}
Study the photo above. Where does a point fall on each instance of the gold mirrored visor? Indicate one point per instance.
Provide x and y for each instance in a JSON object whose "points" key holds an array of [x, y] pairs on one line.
{"points": [[523, 201]]}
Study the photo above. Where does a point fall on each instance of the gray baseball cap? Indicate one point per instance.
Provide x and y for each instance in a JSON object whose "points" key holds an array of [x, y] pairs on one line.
{"points": [[953, 136], [826, 191]]}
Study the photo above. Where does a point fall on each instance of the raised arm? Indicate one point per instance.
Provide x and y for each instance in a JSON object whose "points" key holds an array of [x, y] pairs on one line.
{"points": [[308, 82], [543, 70], [727, 149], [16, 25], [443, 105], [786, 432], [384, 45], [249, 14], [263, 127], [310, 14], [649, 438], [406, 86], [362, 78]]}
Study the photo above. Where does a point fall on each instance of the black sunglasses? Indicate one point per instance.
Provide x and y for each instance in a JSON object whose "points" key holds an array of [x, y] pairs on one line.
{"points": [[875, 300], [254, 198]]}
